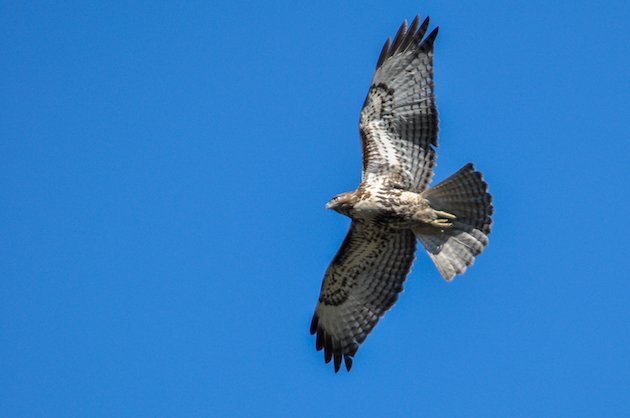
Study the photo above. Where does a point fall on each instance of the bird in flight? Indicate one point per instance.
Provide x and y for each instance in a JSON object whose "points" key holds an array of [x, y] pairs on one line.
{"points": [[393, 205]]}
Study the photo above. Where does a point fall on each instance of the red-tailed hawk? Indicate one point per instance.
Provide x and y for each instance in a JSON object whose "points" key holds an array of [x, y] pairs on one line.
{"points": [[393, 206]]}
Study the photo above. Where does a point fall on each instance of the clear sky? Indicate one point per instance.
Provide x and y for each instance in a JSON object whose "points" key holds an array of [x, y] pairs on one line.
{"points": [[163, 175]]}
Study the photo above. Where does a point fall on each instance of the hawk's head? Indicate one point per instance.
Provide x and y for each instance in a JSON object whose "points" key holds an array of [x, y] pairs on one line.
{"points": [[342, 203]]}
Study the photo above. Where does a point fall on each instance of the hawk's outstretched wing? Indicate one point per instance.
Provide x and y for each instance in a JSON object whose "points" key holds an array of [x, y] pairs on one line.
{"points": [[362, 282], [399, 121]]}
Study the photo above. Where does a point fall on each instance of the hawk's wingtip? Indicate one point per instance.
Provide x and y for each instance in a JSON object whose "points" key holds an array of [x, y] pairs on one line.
{"points": [[314, 323], [348, 361], [337, 355]]}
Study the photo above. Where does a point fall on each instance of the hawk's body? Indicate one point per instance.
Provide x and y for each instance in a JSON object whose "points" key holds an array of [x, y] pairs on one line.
{"points": [[392, 206]]}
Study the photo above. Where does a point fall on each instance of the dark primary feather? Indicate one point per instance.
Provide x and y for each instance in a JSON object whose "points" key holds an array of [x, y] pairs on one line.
{"points": [[405, 38], [361, 284], [384, 52], [400, 35], [399, 120], [410, 31]]}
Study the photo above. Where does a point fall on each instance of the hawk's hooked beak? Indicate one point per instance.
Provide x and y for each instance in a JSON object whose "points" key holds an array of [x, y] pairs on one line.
{"points": [[329, 205]]}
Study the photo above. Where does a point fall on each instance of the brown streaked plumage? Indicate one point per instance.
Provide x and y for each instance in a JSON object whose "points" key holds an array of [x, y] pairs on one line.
{"points": [[392, 207]]}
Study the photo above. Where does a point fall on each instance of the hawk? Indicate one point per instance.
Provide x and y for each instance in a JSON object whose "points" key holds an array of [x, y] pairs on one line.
{"points": [[393, 205]]}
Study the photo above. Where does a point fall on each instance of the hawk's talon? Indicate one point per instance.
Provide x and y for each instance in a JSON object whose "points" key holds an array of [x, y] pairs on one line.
{"points": [[444, 219], [446, 215], [442, 223]]}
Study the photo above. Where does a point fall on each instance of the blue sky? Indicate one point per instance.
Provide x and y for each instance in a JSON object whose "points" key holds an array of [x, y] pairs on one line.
{"points": [[164, 170]]}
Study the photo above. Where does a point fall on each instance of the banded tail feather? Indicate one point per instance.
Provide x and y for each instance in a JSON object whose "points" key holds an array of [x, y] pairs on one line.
{"points": [[465, 195]]}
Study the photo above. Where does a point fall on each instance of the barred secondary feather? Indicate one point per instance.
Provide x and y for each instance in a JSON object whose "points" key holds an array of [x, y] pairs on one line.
{"points": [[393, 206]]}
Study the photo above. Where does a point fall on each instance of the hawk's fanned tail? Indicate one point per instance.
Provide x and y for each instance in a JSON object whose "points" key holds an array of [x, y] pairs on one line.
{"points": [[466, 196]]}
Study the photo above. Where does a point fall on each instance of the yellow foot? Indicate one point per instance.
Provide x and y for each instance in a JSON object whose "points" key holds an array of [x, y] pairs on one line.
{"points": [[442, 223], [444, 220]]}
